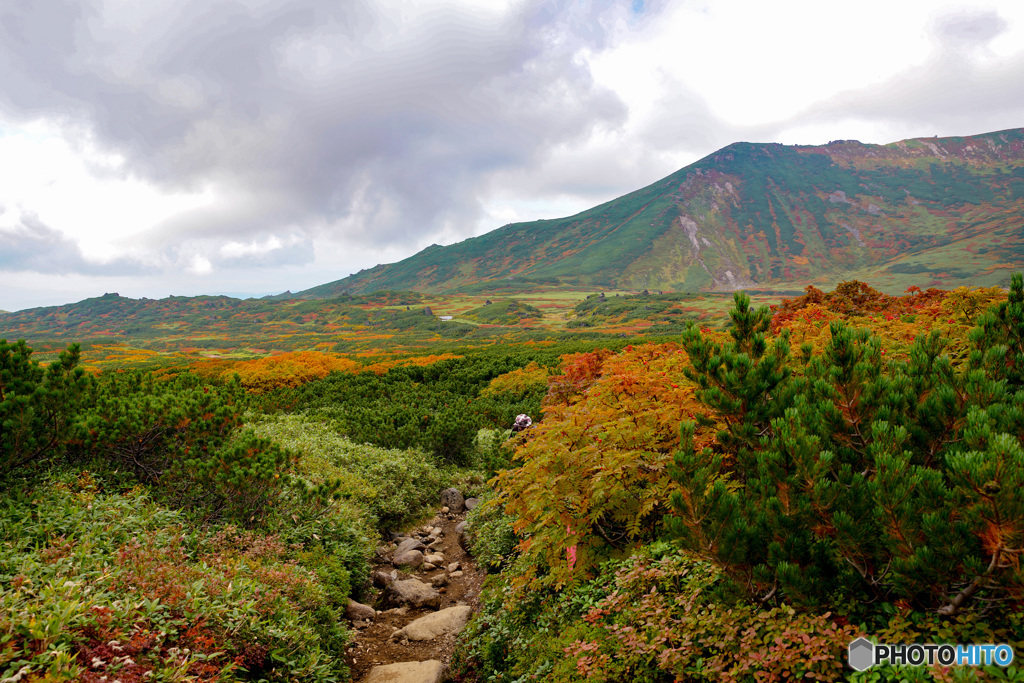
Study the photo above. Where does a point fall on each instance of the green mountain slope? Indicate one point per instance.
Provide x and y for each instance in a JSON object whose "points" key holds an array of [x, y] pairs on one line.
{"points": [[937, 212]]}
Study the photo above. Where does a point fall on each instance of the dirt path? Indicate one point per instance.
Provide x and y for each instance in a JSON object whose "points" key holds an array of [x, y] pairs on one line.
{"points": [[373, 645]]}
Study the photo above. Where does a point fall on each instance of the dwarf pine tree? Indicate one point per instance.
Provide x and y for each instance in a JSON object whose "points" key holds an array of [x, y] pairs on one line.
{"points": [[37, 405], [858, 478]]}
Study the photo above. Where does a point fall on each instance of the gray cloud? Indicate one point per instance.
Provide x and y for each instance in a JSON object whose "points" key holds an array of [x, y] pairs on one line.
{"points": [[334, 118], [33, 247]]}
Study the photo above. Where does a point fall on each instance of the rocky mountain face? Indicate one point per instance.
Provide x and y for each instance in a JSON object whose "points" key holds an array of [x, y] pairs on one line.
{"points": [[937, 211]]}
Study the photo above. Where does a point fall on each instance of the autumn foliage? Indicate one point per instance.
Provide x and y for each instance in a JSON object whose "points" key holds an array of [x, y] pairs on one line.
{"points": [[594, 471]]}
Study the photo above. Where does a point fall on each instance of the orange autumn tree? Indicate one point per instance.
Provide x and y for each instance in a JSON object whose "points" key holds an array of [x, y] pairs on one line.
{"points": [[594, 472], [287, 370]]}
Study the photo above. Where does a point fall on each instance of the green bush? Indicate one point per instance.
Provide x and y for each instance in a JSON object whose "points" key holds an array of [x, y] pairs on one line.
{"points": [[185, 437], [118, 586], [394, 487], [489, 531], [647, 618]]}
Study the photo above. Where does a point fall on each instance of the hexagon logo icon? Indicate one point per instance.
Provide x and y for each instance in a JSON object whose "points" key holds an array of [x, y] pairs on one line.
{"points": [[861, 654]]}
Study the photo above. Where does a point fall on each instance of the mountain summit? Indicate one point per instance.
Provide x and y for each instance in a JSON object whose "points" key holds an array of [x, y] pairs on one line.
{"points": [[947, 211]]}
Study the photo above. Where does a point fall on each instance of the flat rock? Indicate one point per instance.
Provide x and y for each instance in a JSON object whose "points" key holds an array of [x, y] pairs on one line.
{"points": [[437, 559], [357, 611], [431, 626], [453, 500], [406, 672], [409, 544], [411, 592], [471, 503], [410, 558]]}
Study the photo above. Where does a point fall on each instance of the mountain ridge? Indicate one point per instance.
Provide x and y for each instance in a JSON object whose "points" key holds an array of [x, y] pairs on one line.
{"points": [[760, 214]]}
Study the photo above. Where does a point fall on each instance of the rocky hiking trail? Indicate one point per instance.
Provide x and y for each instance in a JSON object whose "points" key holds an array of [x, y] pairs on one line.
{"points": [[427, 588]]}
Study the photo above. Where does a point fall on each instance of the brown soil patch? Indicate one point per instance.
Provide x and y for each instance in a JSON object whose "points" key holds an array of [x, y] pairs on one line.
{"points": [[373, 646]]}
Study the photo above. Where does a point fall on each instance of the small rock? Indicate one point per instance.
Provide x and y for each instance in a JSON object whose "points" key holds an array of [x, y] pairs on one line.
{"points": [[460, 528], [426, 529], [471, 503], [411, 558], [437, 559], [454, 566], [453, 500], [444, 510], [428, 566], [436, 531], [357, 611], [436, 543], [381, 579], [383, 551], [456, 574], [439, 581]]}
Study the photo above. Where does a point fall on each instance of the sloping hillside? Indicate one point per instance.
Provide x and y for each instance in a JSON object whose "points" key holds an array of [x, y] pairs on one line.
{"points": [[935, 211]]}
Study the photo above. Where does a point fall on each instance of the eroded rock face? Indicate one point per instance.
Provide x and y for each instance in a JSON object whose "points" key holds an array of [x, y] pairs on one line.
{"points": [[450, 620], [453, 500], [406, 672], [411, 592]]}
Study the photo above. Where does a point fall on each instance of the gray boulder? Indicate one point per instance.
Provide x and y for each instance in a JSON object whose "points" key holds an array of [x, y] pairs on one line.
{"points": [[471, 503], [450, 620], [410, 558], [453, 500], [429, 671], [413, 593], [409, 544]]}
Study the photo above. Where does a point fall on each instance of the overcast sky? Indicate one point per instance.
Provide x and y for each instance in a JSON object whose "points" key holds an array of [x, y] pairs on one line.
{"points": [[247, 147]]}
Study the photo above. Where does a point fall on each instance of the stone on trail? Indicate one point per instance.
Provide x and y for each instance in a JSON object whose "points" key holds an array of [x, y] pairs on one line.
{"points": [[381, 578], [453, 500], [436, 559], [406, 672], [410, 558], [431, 626], [409, 544], [471, 503], [356, 611], [412, 592]]}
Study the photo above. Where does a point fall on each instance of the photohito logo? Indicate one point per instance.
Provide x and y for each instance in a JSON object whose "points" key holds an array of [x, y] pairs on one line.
{"points": [[863, 654]]}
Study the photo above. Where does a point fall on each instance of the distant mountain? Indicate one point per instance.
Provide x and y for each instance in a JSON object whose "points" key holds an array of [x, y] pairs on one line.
{"points": [[930, 211]]}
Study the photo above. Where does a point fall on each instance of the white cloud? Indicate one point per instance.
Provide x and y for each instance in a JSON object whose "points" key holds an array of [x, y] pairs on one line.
{"points": [[277, 145]]}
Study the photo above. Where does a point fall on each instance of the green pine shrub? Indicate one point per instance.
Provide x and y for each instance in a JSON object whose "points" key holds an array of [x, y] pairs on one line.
{"points": [[842, 476]]}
